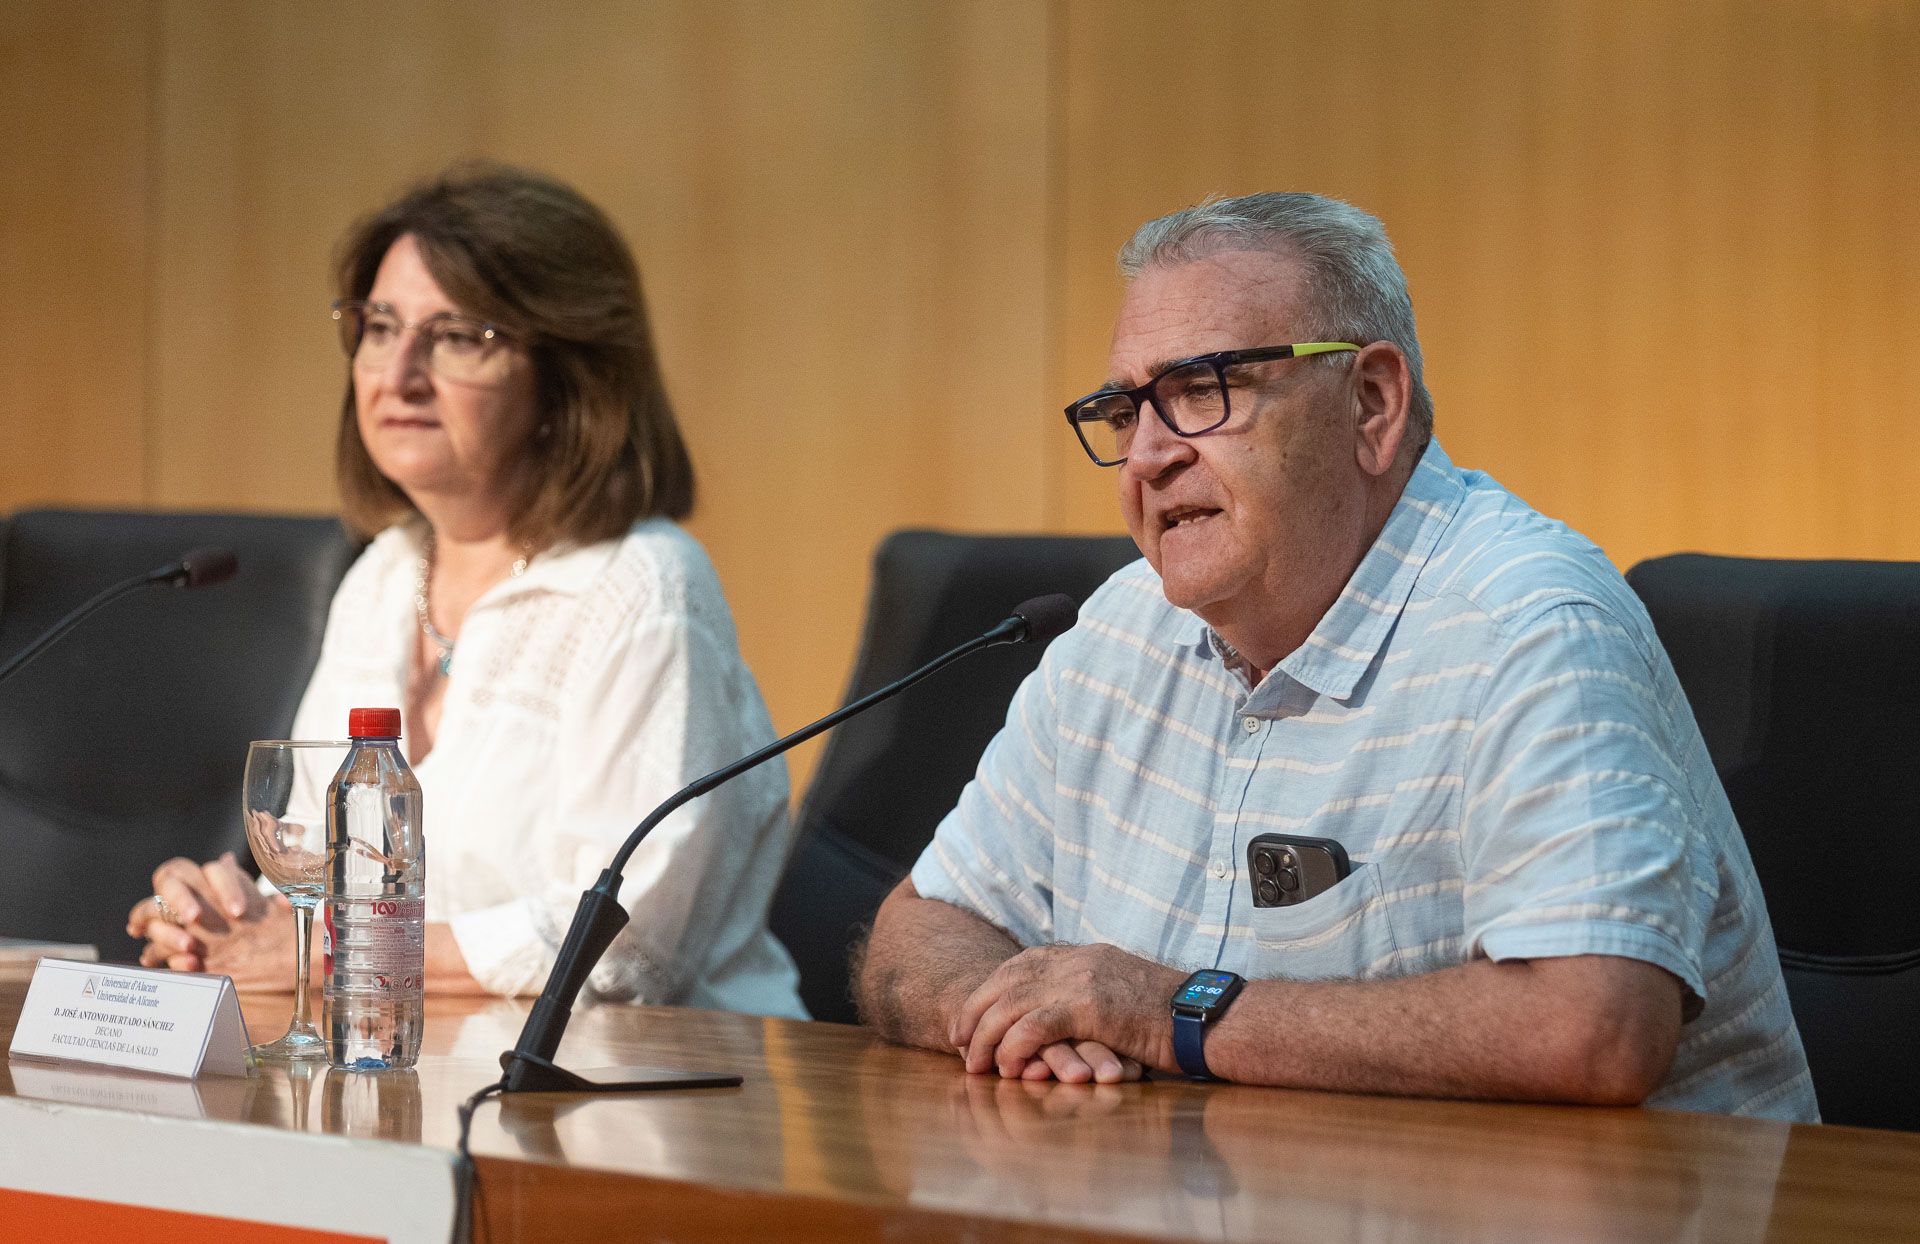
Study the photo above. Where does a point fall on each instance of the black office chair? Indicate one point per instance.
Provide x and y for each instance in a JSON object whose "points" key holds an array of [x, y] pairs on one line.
{"points": [[1805, 678], [124, 743], [888, 776]]}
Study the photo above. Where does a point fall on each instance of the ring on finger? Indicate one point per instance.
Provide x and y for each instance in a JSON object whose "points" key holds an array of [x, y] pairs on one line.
{"points": [[167, 913]]}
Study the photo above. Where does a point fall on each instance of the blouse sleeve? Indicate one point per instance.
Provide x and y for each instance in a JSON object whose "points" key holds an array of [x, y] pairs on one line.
{"points": [[665, 700]]}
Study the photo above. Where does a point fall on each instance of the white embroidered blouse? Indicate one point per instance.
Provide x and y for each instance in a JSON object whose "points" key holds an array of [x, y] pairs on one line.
{"points": [[583, 692]]}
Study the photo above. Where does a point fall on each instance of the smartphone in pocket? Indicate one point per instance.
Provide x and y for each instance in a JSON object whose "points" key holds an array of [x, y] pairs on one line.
{"points": [[1287, 869]]}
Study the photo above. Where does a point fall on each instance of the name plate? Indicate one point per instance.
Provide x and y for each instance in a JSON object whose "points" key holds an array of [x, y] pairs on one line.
{"points": [[143, 1019]]}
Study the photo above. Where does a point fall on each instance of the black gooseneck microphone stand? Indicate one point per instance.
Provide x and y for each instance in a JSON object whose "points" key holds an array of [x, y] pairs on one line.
{"points": [[529, 1065], [200, 568]]}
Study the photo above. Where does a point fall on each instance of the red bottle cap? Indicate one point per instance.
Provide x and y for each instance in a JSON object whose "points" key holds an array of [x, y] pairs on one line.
{"points": [[373, 723]]}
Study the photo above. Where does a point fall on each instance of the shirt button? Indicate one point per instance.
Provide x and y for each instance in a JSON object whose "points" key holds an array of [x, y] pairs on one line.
{"points": [[1251, 724], [1220, 866]]}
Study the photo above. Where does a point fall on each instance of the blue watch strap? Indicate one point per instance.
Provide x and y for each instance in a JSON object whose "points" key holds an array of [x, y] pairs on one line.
{"points": [[1189, 1044]]}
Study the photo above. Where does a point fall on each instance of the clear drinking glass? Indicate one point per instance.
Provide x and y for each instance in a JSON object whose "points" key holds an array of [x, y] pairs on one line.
{"points": [[284, 801]]}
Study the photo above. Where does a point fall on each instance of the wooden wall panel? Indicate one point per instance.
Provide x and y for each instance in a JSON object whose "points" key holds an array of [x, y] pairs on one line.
{"points": [[839, 209], [1662, 255], [279, 124], [73, 252]]}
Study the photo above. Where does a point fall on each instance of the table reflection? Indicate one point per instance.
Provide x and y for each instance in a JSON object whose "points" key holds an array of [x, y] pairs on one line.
{"points": [[676, 1132], [1257, 1164], [284, 1094], [376, 1105], [111, 1088]]}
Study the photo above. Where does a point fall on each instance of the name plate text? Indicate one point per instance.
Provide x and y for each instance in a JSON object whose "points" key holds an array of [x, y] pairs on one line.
{"points": [[143, 1019]]}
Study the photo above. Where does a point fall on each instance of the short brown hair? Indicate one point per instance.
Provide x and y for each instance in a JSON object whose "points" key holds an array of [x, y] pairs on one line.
{"points": [[529, 253]]}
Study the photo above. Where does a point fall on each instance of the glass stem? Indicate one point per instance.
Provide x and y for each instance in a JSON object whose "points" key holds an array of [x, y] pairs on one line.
{"points": [[303, 920]]}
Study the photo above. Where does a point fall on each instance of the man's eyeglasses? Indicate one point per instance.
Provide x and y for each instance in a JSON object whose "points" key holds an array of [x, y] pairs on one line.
{"points": [[1191, 397], [459, 347]]}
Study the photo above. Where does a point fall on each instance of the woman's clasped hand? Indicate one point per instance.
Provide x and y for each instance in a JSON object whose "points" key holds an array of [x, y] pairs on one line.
{"points": [[212, 918]]}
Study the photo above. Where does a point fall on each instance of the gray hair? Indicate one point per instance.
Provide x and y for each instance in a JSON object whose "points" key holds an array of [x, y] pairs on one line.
{"points": [[1357, 291]]}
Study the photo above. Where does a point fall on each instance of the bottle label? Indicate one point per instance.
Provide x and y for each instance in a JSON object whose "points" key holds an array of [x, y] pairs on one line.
{"points": [[385, 951], [326, 939]]}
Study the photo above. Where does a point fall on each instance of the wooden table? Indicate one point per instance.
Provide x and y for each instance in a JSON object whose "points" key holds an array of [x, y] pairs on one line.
{"points": [[837, 1136]]}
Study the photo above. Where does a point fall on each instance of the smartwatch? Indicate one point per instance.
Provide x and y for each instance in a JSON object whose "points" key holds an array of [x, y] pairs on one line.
{"points": [[1202, 999]]}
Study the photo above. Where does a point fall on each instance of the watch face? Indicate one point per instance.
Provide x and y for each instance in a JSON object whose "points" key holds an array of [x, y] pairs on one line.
{"points": [[1206, 990]]}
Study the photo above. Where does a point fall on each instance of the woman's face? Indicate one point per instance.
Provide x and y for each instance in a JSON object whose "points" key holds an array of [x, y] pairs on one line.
{"points": [[459, 438]]}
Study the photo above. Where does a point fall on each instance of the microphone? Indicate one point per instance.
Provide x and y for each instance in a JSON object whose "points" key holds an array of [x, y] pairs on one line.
{"points": [[529, 1065], [199, 568]]}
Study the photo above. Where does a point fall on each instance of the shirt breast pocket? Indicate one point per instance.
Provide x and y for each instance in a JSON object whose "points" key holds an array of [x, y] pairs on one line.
{"points": [[1338, 933]]}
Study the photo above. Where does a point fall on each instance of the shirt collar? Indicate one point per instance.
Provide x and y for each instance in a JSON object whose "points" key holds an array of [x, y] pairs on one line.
{"points": [[1349, 637], [566, 568]]}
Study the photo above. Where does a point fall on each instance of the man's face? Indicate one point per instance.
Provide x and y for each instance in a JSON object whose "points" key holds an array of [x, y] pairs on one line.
{"points": [[1263, 519]]}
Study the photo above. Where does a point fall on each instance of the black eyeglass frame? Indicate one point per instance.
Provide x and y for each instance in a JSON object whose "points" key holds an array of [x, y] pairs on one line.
{"points": [[1219, 360]]}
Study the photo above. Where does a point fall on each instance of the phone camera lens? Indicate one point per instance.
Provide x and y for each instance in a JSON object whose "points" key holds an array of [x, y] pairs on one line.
{"points": [[1264, 863], [1289, 880], [1269, 894]]}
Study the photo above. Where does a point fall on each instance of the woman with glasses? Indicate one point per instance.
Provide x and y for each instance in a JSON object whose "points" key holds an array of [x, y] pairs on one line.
{"points": [[558, 644]]}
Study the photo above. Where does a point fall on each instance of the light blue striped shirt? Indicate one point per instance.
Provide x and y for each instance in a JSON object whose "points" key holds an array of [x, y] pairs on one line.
{"points": [[1484, 720]]}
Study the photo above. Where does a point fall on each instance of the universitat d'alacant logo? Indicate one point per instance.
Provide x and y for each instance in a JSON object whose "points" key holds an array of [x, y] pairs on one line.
{"points": [[86, 990]]}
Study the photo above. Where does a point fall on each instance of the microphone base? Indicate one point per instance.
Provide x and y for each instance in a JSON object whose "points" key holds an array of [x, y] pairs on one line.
{"points": [[529, 1073]]}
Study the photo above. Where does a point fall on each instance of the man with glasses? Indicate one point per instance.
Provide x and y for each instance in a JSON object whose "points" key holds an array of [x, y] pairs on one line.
{"points": [[1369, 777]]}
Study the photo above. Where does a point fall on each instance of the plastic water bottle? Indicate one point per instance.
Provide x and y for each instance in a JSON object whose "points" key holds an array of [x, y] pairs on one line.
{"points": [[375, 929]]}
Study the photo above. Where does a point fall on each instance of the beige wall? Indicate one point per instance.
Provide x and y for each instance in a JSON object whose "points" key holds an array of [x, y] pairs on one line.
{"points": [[1663, 254]]}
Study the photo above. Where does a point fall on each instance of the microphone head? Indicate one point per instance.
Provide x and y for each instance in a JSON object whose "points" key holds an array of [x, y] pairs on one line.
{"points": [[206, 567], [1046, 617]]}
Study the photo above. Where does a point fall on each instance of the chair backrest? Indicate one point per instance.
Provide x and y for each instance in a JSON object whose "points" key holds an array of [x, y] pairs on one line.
{"points": [[123, 744], [1805, 679], [888, 776]]}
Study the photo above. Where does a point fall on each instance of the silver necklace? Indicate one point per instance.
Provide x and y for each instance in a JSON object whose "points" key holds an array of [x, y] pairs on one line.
{"points": [[423, 584]]}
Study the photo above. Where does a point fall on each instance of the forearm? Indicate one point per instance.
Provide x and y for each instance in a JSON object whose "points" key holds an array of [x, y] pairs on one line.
{"points": [[1586, 1029], [447, 973], [921, 962]]}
